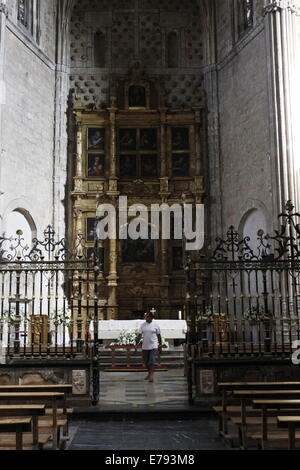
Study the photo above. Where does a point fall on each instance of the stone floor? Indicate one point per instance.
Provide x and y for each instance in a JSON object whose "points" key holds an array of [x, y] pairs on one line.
{"points": [[199, 434], [133, 402], [131, 390]]}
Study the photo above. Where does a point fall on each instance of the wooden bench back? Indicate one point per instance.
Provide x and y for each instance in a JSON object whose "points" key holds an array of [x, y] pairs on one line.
{"points": [[63, 388], [276, 394], [230, 386]]}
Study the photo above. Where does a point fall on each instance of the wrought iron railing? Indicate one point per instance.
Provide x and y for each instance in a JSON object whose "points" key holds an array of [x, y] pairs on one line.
{"points": [[250, 298], [50, 296]]}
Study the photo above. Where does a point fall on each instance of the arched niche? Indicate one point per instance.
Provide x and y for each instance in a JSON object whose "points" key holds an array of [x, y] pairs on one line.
{"points": [[172, 50], [20, 219], [253, 221], [99, 49], [137, 96]]}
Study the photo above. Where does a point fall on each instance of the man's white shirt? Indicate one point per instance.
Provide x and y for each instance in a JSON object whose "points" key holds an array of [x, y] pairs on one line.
{"points": [[149, 332]]}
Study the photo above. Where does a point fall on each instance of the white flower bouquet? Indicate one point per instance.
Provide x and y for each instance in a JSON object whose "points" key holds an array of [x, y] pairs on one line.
{"points": [[61, 317], [128, 337]]}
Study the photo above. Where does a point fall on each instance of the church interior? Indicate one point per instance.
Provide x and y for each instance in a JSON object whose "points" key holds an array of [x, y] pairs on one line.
{"points": [[170, 105]]}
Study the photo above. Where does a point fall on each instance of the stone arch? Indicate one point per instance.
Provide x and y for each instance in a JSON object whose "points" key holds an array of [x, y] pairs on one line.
{"points": [[253, 216], [20, 208]]}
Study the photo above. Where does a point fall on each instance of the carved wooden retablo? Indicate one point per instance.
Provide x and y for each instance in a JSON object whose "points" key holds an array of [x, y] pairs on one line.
{"points": [[141, 149]]}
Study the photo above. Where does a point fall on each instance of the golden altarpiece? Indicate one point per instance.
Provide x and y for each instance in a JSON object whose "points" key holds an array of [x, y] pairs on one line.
{"points": [[139, 148]]}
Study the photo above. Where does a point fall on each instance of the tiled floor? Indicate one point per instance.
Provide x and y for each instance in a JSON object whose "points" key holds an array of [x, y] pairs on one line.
{"points": [[130, 388]]}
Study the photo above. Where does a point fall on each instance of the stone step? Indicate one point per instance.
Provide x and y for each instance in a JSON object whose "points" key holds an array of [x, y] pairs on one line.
{"points": [[169, 358], [123, 363], [139, 357], [107, 352]]}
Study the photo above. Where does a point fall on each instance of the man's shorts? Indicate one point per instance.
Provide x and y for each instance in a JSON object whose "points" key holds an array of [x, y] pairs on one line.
{"points": [[149, 357]]}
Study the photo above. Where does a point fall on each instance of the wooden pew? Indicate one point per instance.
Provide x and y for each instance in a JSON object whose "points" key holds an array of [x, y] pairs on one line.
{"points": [[227, 387], [290, 422], [38, 397], [250, 395], [63, 388], [267, 406], [17, 426], [32, 411]]}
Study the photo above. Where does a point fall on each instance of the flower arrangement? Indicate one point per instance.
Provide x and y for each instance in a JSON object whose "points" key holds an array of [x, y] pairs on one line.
{"points": [[255, 313], [61, 317], [205, 314], [10, 316], [128, 337]]}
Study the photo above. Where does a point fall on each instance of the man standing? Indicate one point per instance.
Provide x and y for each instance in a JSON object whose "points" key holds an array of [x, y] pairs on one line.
{"points": [[150, 332]]}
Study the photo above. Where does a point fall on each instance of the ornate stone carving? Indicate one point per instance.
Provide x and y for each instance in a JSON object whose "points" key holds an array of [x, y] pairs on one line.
{"points": [[140, 188], [3, 9], [281, 5], [5, 379], [139, 269], [137, 291], [207, 381], [137, 73], [164, 185], [41, 377], [78, 185], [79, 382]]}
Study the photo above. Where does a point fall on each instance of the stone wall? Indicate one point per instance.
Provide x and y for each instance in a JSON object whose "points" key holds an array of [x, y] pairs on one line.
{"points": [[243, 90], [28, 118], [137, 33], [239, 123]]}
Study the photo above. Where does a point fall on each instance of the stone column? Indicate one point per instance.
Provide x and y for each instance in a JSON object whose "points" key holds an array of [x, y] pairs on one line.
{"points": [[112, 281], [198, 168], [79, 153], [60, 152], [79, 229], [211, 155], [163, 144], [3, 16], [113, 180], [113, 193], [281, 38]]}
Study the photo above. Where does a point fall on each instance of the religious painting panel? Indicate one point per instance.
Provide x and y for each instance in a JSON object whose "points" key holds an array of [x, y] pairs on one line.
{"points": [[180, 164], [149, 166], [148, 139], [96, 138], [95, 165], [177, 262], [128, 166], [138, 251], [90, 256], [127, 140], [180, 138], [90, 228], [137, 96]]}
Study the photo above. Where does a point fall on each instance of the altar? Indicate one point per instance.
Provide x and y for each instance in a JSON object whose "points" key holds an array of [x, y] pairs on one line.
{"points": [[109, 330]]}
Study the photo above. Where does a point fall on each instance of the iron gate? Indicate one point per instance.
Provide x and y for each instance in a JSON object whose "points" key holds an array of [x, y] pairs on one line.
{"points": [[50, 300], [248, 302]]}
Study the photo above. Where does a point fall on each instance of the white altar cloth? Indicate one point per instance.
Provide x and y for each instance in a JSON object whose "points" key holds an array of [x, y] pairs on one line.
{"points": [[170, 329]]}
